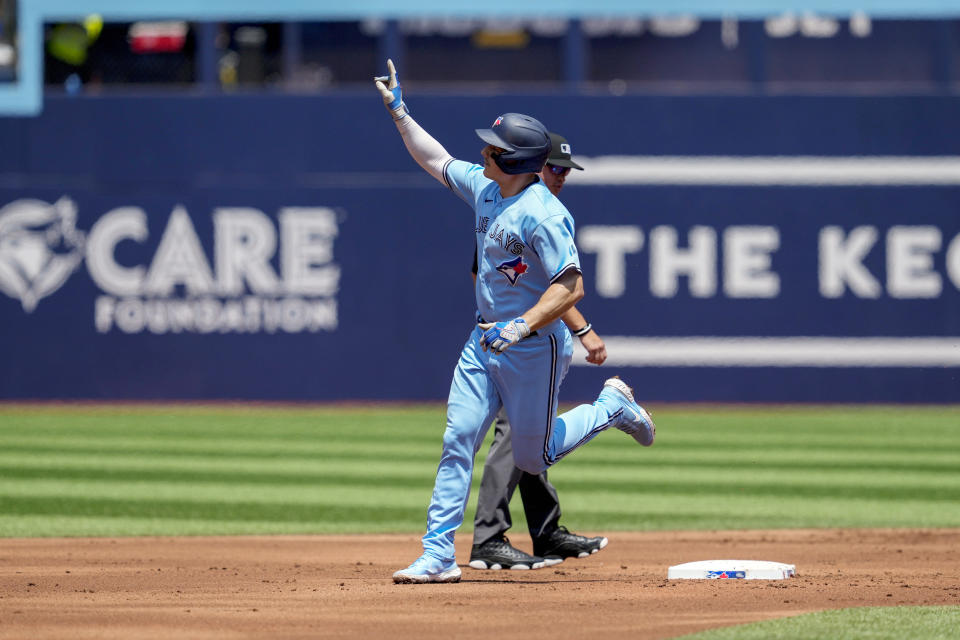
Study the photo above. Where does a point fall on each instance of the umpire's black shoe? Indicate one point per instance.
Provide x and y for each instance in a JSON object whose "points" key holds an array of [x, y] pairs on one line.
{"points": [[498, 553], [560, 544]]}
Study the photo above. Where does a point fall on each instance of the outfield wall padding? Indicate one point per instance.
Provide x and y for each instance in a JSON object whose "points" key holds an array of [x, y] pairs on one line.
{"points": [[267, 247]]}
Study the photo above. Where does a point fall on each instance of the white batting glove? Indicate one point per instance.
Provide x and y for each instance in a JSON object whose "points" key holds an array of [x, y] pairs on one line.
{"points": [[390, 91], [500, 336]]}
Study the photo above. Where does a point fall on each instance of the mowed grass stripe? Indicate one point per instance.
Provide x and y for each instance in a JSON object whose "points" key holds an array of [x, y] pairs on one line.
{"points": [[648, 512], [253, 416], [133, 437], [238, 466], [790, 447], [610, 447], [787, 449], [26, 526], [593, 510], [209, 510], [829, 460], [385, 413], [862, 623], [204, 471], [798, 443], [655, 509], [639, 463], [210, 449], [238, 493], [718, 490], [901, 486], [407, 478], [680, 435], [878, 424], [278, 424], [655, 514]]}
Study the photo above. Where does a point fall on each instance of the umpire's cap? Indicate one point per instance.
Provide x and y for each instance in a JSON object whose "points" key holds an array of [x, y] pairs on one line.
{"points": [[526, 141], [560, 156]]}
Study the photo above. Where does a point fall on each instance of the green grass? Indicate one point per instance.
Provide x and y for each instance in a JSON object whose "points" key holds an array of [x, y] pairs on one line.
{"points": [[184, 470], [865, 623]]}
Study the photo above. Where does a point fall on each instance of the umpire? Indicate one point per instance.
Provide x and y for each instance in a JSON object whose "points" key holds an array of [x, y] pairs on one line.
{"points": [[551, 542]]}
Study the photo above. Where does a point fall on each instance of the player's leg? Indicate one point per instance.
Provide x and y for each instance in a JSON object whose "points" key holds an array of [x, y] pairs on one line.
{"points": [[541, 505], [491, 548], [472, 404], [528, 378], [471, 407], [614, 407], [529, 384], [551, 541], [500, 477]]}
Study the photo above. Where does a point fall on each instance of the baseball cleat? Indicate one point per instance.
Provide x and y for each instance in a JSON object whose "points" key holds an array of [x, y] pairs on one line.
{"points": [[428, 569], [560, 544], [634, 419], [497, 553]]}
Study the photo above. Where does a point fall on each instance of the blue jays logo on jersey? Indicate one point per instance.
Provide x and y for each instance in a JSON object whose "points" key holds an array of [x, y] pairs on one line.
{"points": [[513, 269]]}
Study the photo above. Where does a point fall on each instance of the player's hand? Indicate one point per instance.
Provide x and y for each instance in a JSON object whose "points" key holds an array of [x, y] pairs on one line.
{"points": [[500, 336], [391, 92], [596, 349]]}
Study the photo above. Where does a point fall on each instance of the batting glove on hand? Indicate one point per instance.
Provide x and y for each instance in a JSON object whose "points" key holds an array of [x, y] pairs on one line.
{"points": [[499, 336], [390, 91]]}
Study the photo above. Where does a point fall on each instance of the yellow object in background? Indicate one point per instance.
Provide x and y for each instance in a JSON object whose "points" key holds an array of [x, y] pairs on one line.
{"points": [[492, 39], [94, 25], [69, 42]]}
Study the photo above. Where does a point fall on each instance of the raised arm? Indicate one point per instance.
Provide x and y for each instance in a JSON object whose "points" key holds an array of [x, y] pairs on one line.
{"points": [[428, 153]]}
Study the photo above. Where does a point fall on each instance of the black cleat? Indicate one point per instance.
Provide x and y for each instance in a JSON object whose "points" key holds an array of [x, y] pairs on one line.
{"points": [[498, 553], [560, 544]]}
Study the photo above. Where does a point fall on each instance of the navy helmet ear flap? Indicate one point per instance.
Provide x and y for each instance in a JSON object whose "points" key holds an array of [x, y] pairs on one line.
{"points": [[508, 165]]}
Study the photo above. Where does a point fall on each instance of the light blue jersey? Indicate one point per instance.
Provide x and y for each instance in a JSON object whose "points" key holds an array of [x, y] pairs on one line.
{"points": [[524, 243]]}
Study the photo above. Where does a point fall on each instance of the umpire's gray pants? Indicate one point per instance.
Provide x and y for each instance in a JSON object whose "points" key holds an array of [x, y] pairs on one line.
{"points": [[500, 477]]}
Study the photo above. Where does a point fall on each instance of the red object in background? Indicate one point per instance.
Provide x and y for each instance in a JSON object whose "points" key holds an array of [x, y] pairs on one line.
{"points": [[157, 37]]}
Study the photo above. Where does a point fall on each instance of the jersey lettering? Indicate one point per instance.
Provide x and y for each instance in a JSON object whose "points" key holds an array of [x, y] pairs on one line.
{"points": [[512, 243], [514, 246]]}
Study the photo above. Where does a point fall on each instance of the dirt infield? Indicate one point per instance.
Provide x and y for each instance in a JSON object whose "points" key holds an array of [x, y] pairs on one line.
{"points": [[340, 586]]}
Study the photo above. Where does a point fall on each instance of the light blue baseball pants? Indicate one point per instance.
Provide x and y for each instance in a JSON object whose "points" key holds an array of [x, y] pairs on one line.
{"points": [[525, 379]]}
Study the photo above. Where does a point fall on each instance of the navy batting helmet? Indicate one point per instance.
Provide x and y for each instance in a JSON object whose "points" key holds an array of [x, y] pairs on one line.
{"points": [[526, 142]]}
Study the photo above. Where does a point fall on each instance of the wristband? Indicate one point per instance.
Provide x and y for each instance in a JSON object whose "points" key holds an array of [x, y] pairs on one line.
{"points": [[400, 112], [584, 331]]}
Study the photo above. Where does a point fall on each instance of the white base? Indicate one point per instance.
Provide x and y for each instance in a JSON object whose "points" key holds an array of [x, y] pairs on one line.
{"points": [[742, 569]]}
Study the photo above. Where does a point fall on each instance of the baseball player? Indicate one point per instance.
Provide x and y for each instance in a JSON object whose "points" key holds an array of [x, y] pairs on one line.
{"points": [[528, 276], [552, 543]]}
